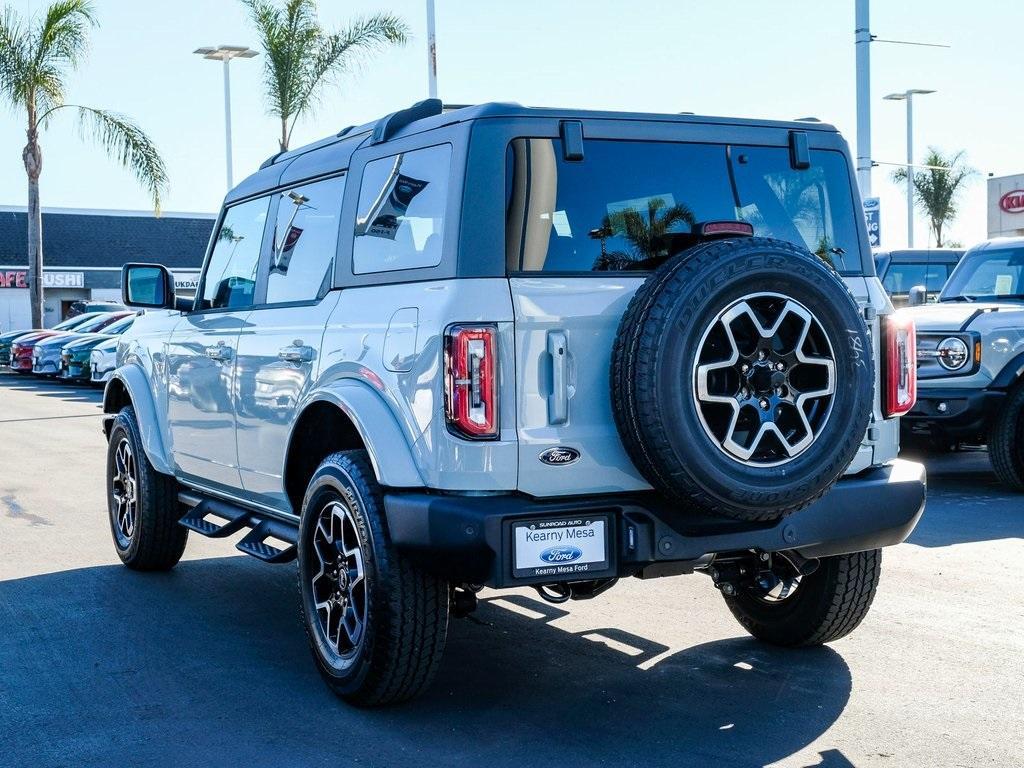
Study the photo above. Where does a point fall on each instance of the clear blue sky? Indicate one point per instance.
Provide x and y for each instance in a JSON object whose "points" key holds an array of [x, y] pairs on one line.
{"points": [[782, 59]]}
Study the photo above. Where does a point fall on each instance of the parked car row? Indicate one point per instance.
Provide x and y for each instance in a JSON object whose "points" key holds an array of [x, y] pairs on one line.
{"points": [[81, 348], [970, 353]]}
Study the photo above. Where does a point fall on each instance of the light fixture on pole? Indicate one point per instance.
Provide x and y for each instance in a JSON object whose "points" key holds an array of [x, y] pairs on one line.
{"points": [[908, 96], [226, 53]]}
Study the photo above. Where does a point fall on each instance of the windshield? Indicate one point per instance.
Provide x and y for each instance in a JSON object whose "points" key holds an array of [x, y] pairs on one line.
{"points": [[987, 275], [120, 326], [630, 204], [101, 321], [74, 322]]}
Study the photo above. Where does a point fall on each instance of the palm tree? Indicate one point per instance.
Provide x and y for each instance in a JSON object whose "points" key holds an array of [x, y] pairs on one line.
{"points": [[937, 187], [302, 57], [36, 56]]}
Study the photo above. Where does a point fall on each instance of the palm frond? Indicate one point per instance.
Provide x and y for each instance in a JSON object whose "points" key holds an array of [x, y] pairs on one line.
{"points": [[129, 145], [15, 59], [63, 33], [34, 58], [301, 58], [342, 51]]}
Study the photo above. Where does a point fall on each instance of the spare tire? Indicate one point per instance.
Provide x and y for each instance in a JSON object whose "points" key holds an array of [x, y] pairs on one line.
{"points": [[742, 378]]}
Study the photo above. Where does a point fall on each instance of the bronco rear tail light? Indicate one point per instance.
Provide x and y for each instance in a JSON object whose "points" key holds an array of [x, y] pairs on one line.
{"points": [[471, 381], [900, 381]]}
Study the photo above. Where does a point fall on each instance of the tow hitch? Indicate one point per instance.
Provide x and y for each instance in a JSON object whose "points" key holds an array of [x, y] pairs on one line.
{"points": [[759, 569]]}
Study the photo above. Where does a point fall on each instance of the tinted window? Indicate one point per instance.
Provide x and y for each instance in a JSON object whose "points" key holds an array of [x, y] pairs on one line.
{"points": [[305, 239], [230, 278], [628, 205], [400, 218]]}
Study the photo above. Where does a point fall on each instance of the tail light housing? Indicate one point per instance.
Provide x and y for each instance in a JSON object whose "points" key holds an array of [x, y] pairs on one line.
{"points": [[900, 380], [471, 381]]}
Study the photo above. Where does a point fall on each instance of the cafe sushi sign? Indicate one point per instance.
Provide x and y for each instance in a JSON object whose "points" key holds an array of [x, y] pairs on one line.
{"points": [[18, 278]]}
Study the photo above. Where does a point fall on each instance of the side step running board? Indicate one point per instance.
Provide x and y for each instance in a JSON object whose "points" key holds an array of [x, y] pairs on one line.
{"points": [[217, 518]]}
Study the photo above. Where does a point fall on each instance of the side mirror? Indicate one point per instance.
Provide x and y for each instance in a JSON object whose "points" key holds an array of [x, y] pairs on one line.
{"points": [[150, 286], [918, 296]]}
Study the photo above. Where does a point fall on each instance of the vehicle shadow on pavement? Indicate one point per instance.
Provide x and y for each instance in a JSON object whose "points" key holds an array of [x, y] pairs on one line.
{"points": [[207, 665], [966, 503], [73, 392]]}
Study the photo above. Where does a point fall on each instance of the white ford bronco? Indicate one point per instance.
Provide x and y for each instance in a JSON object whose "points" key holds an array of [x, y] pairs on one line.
{"points": [[502, 347]]}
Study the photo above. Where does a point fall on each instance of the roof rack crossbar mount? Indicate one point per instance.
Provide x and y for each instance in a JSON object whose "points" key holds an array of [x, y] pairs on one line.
{"points": [[388, 126]]}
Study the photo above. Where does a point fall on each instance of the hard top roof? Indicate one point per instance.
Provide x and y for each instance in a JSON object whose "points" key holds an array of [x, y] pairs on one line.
{"points": [[430, 114]]}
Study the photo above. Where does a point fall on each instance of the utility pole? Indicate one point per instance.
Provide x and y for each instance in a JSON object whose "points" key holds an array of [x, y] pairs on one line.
{"points": [[862, 41], [431, 52]]}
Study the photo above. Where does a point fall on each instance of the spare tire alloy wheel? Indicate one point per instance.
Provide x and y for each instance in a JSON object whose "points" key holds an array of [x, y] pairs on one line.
{"points": [[767, 401], [742, 379]]}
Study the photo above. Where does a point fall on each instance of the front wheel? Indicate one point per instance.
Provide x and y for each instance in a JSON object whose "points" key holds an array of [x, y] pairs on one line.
{"points": [[792, 610], [376, 623], [1006, 441], [142, 504]]}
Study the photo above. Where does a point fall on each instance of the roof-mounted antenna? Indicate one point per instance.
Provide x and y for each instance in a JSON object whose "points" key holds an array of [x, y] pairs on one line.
{"points": [[388, 126]]}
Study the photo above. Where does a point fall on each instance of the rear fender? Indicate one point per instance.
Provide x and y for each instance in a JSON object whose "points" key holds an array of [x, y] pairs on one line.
{"points": [[130, 380], [386, 443]]}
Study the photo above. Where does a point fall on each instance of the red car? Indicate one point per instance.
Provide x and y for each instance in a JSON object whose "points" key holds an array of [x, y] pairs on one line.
{"points": [[21, 350]]}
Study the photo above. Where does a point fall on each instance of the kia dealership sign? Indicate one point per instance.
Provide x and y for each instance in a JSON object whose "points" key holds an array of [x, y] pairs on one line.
{"points": [[1006, 206], [1013, 201]]}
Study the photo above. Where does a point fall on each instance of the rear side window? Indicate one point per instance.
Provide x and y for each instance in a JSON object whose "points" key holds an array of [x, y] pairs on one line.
{"points": [[230, 277], [401, 212], [305, 240], [629, 205]]}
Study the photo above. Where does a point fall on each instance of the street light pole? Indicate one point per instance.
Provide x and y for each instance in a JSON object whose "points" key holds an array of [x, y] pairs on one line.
{"points": [[227, 122], [226, 53], [431, 52], [908, 96]]}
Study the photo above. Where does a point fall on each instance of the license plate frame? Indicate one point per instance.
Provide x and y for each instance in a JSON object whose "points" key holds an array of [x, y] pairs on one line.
{"points": [[531, 539]]}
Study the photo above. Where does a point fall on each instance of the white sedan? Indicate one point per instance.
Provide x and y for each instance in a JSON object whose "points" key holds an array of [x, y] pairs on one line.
{"points": [[102, 361]]}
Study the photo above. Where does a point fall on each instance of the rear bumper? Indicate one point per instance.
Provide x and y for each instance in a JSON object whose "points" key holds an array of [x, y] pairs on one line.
{"points": [[955, 413], [468, 538]]}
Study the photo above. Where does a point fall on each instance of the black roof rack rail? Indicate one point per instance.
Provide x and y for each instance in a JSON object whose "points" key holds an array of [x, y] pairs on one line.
{"points": [[345, 130], [388, 126], [270, 160]]}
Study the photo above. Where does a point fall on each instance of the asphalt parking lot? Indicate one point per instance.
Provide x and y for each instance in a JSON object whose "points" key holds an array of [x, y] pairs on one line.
{"points": [[207, 665]]}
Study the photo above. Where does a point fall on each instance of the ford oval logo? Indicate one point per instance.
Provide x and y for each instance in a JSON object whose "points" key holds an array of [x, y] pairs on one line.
{"points": [[561, 554], [560, 456]]}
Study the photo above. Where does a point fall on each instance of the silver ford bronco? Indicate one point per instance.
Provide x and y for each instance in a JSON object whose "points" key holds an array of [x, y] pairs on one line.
{"points": [[511, 347], [970, 358]]}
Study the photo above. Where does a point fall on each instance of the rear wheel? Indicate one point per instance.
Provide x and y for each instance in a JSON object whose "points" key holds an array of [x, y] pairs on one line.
{"points": [[1006, 441], [376, 623], [793, 610], [142, 503]]}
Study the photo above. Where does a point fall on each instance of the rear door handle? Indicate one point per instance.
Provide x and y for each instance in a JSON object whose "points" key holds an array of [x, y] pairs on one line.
{"points": [[296, 353], [219, 352], [558, 400]]}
